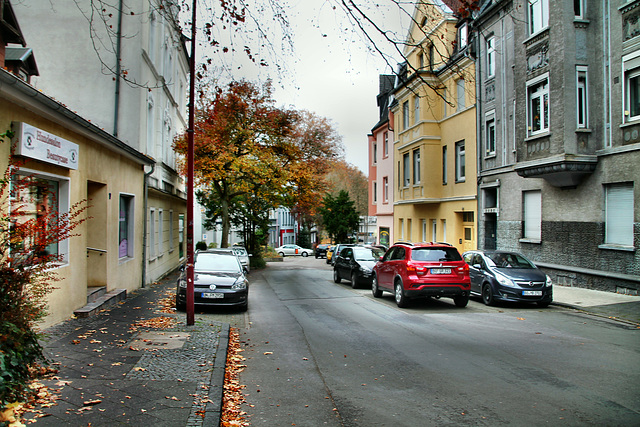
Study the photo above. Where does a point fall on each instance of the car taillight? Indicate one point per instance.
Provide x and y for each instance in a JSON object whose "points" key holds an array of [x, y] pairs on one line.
{"points": [[463, 269], [417, 269]]}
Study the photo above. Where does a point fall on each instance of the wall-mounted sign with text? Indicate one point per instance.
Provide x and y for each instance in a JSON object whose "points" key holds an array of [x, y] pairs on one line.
{"points": [[40, 145]]}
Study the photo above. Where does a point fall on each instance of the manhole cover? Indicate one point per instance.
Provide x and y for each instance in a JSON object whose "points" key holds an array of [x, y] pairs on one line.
{"points": [[159, 340]]}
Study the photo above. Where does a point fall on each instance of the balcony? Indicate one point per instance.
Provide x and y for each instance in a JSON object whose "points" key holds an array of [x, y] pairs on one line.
{"points": [[565, 170]]}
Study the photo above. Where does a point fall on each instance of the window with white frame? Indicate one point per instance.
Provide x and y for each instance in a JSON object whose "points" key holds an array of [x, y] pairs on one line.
{"points": [[460, 161], [460, 94], [401, 227], [490, 137], [406, 165], [160, 232], [434, 230], [532, 215], [152, 233], [416, 109], [416, 166], [538, 105], [538, 15], [42, 198], [582, 98], [444, 165], [463, 32], [374, 192], [405, 115], [374, 152], [386, 144], [385, 183], [631, 69], [579, 9], [619, 214], [491, 56], [170, 230], [424, 230], [126, 226]]}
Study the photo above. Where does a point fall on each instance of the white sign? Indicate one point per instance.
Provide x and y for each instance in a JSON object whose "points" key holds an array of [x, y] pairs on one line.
{"points": [[40, 145]]}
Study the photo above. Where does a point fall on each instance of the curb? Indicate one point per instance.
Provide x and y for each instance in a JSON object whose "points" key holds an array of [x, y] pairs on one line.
{"points": [[213, 410], [591, 313]]}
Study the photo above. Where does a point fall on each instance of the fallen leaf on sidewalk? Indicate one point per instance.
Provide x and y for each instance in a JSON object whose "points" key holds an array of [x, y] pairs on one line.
{"points": [[92, 402], [268, 352]]}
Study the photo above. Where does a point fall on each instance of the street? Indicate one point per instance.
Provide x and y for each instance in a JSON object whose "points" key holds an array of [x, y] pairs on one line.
{"points": [[320, 353]]}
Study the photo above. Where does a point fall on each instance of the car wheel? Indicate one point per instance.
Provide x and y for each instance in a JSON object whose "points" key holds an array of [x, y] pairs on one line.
{"points": [[281, 254], [487, 295], [336, 276], [304, 254], [461, 301], [317, 257], [543, 304], [354, 280], [377, 293], [180, 307], [401, 299]]}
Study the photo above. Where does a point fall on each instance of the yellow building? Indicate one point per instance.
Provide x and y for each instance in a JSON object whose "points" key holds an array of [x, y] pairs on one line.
{"points": [[435, 133]]}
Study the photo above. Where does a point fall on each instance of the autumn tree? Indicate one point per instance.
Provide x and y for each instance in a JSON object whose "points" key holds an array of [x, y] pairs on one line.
{"points": [[344, 176], [339, 216]]}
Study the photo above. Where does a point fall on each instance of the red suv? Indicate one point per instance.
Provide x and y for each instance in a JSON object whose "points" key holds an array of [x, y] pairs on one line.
{"points": [[422, 270]]}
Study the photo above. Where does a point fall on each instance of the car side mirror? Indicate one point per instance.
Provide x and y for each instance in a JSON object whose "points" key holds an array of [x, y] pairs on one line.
{"points": [[478, 266], [182, 267]]}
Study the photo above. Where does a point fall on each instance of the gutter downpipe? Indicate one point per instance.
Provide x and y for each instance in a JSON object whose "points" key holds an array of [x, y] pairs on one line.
{"points": [[144, 225], [118, 71], [606, 36]]}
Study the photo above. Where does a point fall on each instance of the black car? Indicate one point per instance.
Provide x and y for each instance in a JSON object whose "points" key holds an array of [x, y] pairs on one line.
{"points": [[336, 251], [321, 250], [356, 263], [507, 276], [219, 280]]}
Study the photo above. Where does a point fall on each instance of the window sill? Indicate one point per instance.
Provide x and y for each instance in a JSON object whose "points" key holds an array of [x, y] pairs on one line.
{"points": [[491, 155], [614, 247], [537, 136], [630, 122], [583, 130], [460, 180], [532, 241], [124, 259]]}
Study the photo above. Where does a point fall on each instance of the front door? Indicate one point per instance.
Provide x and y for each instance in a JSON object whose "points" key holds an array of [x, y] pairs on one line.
{"points": [[490, 232]]}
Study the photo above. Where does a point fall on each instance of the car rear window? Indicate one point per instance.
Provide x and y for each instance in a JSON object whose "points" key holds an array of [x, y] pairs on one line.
{"points": [[435, 254]]}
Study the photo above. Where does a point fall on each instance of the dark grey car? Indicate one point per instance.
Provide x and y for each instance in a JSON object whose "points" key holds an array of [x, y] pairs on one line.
{"points": [[356, 263], [507, 276]]}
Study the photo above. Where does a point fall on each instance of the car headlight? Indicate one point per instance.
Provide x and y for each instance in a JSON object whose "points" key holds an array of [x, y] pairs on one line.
{"points": [[365, 269], [549, 282], [239, 285], [182, 283], [505, 281]]}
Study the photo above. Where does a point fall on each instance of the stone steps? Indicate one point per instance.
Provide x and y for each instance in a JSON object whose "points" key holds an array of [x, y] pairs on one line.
{"points": [[99, 299]]}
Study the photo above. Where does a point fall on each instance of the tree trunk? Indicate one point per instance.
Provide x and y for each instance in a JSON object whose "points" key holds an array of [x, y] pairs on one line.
{"points": [[226, 223]]}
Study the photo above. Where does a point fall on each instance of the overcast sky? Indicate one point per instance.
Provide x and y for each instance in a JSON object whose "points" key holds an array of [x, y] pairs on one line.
{"points": [[332, 70]]}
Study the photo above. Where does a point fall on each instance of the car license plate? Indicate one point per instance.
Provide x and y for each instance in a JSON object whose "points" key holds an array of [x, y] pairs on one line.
{"points": [[212, 295], [532, 293], [440, 271]]}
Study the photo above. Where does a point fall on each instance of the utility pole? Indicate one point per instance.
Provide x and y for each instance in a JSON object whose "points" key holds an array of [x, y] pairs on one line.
{"points": [[190, 135]]}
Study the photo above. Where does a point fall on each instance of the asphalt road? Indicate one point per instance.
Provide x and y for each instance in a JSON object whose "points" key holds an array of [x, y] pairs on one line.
{"points": [[320, 353]]}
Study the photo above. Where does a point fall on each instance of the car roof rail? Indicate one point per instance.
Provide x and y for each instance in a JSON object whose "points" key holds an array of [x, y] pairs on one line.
{"points": [[403, 243]]}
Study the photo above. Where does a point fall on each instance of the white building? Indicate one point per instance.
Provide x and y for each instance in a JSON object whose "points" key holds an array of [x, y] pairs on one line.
{"points": [[126, 72]]}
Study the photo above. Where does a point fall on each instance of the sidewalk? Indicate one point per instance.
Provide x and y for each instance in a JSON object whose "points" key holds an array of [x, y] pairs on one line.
{"points": [[136, 365], [625, 308]]}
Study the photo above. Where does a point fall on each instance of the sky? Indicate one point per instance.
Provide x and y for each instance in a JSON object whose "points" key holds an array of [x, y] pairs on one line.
{"points": [[331, 69]]}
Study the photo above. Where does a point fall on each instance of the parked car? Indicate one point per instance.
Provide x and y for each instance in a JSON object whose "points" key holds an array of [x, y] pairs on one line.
{"points": [[219, 280], [293, 250], [339, 247], [330, 251], [356, 264], [422, 270], [321, 250], [507, 276], [243, 256]]}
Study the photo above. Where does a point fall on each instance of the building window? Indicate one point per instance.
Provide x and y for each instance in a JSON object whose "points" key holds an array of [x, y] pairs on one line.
{"points": [[462, 36], [460, 94], [491, 56], [386, 144], [42, 198], [409, 226], [181, 235], [375, 153], [532, 215], [444, 230], [582, 101], [374, 191], [578, 8], [405, 115], [406, 170], [160, 234], [538, 15], [416, 109], [490, 142], [424, 230], [401, 227], [434, 230], [431, 57], [385, 183], [152, 233], [631, 64], [538, 106], [444, 165], [460, 165], [619, 214], [416, 166], [170, 230], [125, 226]]}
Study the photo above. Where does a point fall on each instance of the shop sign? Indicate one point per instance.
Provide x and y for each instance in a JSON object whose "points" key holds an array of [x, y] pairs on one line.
{"points": [[40, 145]]}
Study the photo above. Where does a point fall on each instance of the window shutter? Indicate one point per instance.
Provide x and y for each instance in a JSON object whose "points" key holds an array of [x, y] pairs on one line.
{"points": [[533, 215], [619, 214]]}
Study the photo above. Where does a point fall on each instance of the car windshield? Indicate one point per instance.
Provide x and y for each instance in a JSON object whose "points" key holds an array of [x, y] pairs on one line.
{"points": [[366, 254], [217, 262], [509, 260], [435, 254]]}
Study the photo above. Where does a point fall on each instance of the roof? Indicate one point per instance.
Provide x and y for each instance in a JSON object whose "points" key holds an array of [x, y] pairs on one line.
{"points": [[9, 27]]}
